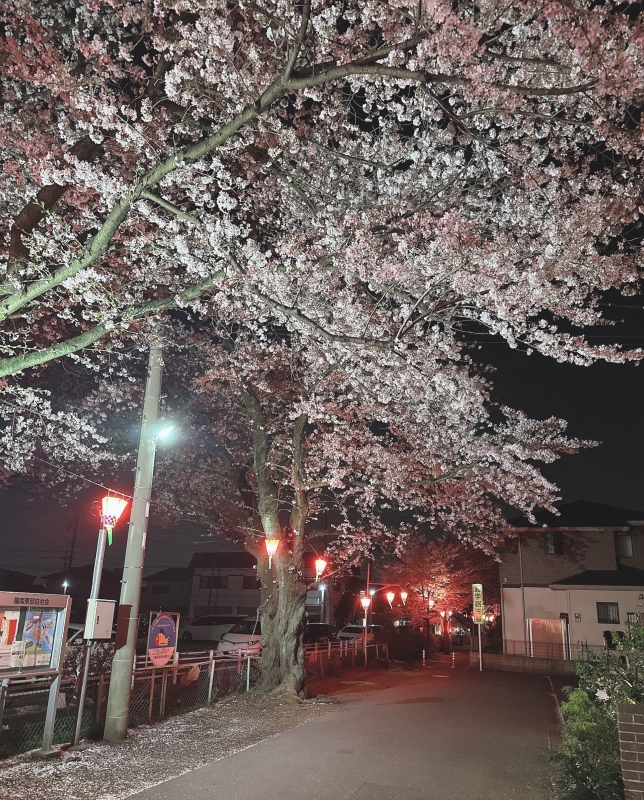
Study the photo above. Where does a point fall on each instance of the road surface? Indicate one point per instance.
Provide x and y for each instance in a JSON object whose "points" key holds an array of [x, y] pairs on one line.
{"points": [[441, 733]]}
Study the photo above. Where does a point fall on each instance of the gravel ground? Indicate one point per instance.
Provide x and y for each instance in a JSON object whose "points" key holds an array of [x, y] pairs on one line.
{"points": [[154, 754]]}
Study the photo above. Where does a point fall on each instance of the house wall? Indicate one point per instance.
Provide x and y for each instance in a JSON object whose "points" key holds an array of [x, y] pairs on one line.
{"points": [[165, 596], [582, 550], [542, 602], [233, 599]]}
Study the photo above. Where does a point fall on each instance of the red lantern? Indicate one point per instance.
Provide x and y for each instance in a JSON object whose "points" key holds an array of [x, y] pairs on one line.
{"points": [[271, 549], [111, 509], [365, 602], [403, 597], [320, 566], [390, 597]]}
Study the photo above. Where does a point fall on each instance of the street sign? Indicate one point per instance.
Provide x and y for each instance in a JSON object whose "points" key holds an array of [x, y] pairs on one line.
{"points": [[162, 637], [477, 603]]}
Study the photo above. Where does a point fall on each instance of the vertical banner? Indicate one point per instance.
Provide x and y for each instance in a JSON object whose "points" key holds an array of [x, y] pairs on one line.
{"points": [[477, 603]]}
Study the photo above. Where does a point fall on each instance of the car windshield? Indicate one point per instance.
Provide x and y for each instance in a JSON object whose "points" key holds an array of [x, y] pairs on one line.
{"points": [[353, 629], [248, 626]]}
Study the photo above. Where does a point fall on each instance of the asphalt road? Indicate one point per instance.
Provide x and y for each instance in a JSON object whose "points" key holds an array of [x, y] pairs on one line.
{"points": [[442, 734]]}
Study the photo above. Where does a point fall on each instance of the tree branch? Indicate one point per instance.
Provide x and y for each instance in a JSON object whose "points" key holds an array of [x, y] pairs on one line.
{"points": [[301, 36]]}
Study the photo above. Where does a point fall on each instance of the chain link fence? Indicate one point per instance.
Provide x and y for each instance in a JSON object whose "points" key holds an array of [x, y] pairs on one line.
{"points": [[157, 693]]}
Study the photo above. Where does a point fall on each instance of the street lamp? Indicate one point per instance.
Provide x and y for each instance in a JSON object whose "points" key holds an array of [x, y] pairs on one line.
{"points": [[271, 549], [111, 509], [390, 598], [403, 596], [65, 586], [366, 602], [320, 566]]}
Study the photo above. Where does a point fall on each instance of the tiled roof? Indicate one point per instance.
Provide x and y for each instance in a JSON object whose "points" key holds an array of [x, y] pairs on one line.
{"points": [[622, 576], [583, 514]]}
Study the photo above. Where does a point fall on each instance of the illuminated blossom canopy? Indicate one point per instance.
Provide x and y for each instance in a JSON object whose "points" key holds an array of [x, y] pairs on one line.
{"points": [[385, 180]]}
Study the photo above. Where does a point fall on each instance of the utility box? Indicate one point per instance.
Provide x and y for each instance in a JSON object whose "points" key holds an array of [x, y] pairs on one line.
{"points": [[100, 619]]}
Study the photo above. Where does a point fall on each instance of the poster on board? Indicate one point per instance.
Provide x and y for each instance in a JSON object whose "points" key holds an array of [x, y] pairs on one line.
{"points": [[29, 632], [162, 637]]}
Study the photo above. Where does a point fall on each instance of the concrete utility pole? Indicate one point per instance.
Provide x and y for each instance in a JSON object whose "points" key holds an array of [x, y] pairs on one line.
{"points": [[121, 679]]}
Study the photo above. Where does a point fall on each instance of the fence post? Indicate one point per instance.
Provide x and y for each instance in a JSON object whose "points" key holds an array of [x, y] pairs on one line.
{"points": [[211, 676], [4, 686], [164, 690], [153, 676], [175, 664], [248, 675], [239, 661], [98, 711]]}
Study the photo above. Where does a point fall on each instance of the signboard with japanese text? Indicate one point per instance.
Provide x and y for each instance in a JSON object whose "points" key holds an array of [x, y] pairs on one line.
{"points": [[32, 632], [162, 637], [478, 608]]}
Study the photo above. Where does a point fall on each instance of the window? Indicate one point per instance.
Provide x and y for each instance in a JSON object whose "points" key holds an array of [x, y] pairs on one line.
{"points": [[624, 545], [553, 544], [214, 582], [251, 582], [608, 613]]}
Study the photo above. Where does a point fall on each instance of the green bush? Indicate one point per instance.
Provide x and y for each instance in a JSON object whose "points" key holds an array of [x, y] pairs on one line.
{"points": [[404, 646], [589, 754]]}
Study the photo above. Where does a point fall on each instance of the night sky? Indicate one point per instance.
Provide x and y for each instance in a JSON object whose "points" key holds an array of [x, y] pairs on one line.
{"points": [[602, 402]]}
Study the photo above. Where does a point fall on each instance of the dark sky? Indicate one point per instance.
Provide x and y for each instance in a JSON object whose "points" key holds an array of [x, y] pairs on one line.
{"points": [[603, 402]]}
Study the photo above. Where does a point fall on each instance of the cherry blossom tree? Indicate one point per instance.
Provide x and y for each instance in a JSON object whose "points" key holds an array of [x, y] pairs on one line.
{"points": [[386, 181], [365, 172], [271, 437]]}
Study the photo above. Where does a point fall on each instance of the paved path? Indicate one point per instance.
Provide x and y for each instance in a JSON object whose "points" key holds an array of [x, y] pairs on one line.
{"points": [[441, 734]]}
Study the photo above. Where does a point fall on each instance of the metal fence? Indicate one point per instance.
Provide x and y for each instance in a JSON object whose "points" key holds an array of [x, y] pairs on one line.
{"points": [[192, 681], [565, 651], [157, 693]]}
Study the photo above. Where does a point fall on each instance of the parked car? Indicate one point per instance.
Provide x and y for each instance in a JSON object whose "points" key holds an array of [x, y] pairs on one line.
{"points": [[319, 632], [357, 632], [208, 628], [245, 636]]}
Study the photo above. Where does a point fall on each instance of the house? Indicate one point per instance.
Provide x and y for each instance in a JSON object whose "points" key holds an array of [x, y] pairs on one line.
{"points": [[571, 581], [13, 581], [168, 590], [223, 583]]}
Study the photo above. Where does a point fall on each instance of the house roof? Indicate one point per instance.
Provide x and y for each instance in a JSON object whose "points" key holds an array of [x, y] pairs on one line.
{"points": [[622, 576], [222, 559], [170, 574], [583, 514]]}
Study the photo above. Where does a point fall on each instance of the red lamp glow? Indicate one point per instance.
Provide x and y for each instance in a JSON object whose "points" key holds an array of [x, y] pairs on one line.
{"points": [[271, 549], [320, 566], [365, 602], [111, 510], [390, 598], [403, 597]]}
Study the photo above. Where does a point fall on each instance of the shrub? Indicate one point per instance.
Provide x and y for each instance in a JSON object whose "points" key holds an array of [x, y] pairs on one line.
{"points": [[404, 646], [589, 754]]}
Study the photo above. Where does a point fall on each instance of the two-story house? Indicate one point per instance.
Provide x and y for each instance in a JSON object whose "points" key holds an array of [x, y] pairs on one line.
{"points": [[571, 580], [223, 583]]}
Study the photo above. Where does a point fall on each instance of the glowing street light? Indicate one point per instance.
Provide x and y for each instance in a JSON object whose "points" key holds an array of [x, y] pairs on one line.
{"points": [[165, 432], [271, 549], [403, 597], [320, 566], [65, 586], [111, 509], [390, 598]]}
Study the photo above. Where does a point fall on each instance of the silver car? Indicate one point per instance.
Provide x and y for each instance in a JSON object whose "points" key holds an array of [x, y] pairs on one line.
{"points": [[208, 628]]}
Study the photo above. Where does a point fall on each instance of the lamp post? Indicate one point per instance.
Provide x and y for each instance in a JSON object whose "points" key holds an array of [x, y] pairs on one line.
{"points": [[122, 666], [111, 509], [65, 586], [366, 602], [320, 566]]}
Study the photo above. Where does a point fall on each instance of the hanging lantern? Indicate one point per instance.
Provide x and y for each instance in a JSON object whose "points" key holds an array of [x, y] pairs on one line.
{"points": [[403, 596], [111, 510], [390, 598], [320, 566], [271, 549], [365, 602]]}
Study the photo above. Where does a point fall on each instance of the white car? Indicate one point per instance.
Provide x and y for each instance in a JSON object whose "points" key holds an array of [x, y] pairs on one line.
{"points": [[357, 632], [245, 636], [208, 628]]}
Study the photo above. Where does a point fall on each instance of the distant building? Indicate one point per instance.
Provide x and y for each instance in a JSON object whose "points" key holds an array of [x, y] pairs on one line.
{"points": [[223, 583], [168, 590], [573, 579], [13, 581]]}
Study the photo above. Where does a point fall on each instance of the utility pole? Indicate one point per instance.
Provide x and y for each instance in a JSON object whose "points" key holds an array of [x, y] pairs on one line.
{"points": [[73, 547], [121, 679]]}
